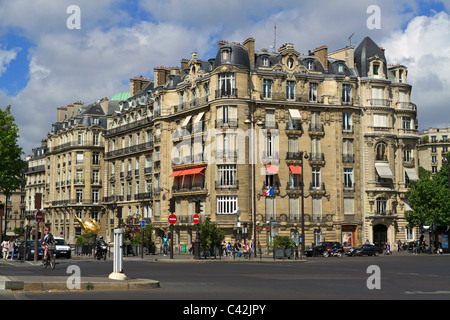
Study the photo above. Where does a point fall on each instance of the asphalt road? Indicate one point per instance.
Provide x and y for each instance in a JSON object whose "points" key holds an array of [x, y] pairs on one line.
{"points": [[405, 277]]}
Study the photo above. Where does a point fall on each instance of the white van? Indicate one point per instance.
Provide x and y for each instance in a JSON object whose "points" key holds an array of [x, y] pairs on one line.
{"points": [[62, 249]]}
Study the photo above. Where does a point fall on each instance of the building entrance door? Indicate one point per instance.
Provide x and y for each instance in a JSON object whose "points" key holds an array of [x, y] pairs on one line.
{"points": [[379, 235]]}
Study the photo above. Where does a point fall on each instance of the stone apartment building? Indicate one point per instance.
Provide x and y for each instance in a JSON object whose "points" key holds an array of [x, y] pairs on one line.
{"points": [[237, 132], [434, 145], [192, 134]]}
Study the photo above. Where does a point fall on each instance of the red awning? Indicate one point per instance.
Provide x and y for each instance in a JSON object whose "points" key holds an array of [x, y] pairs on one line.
{"points": [[295, 169], [271, 169], [185, 172], [176, 173]]}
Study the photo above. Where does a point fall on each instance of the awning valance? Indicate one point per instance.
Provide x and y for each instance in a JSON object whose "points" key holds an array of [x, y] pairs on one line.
{"points": [[384, 171], [270, 169], [295, 114], [412, 175], [295, 169]]}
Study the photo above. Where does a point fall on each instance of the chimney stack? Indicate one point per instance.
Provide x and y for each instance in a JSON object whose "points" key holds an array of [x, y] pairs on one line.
{"points": [[321, 53], [249, 44]]}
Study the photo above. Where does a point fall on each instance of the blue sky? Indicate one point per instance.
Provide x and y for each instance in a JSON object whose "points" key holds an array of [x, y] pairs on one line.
{"points": [[45, 65]]}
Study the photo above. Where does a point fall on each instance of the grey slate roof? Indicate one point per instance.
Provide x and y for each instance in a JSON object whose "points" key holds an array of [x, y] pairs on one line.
{"points": [[367, 49]]}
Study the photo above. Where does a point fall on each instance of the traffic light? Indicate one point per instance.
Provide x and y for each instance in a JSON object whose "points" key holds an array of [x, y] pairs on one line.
{"points": [[198, 206], [171, 205]]}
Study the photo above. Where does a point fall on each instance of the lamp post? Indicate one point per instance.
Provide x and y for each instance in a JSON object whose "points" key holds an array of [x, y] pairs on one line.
{"points": [[303, 155], [252, 148]]}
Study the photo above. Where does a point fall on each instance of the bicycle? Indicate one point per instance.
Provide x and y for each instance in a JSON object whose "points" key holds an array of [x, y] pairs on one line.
{"points": [[49, 258]]}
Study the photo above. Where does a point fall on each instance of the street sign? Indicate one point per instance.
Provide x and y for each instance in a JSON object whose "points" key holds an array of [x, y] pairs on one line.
{"points": [[172, 219], [143, 223], [39, 216], [196, 218]]}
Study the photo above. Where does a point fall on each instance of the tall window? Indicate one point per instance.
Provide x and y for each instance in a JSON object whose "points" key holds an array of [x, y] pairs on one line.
{"points": [[346, 93], [406, 122], [381, 206], [79, 196], [348, 178], [267, 89], [226, 175], [313, 92], [226, 84], [95, 196], [290, 90], [381, 152], [347, 124], [316, 178]]}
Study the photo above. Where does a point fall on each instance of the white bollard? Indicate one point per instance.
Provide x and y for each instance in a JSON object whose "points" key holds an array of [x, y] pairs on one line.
{"points": [[117, 273]]}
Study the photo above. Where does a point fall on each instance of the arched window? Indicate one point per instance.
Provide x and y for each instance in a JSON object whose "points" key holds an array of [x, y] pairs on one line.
{"points": [[381, 206], [381, 153]]}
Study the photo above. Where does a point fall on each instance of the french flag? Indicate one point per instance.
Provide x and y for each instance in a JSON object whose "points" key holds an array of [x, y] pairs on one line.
{"points": [[268, 192]]}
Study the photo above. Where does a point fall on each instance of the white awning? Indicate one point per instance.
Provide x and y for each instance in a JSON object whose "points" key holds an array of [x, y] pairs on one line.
{"points": [[384, 171], [186, 121], [199, 117], [412, 174], [295, 114]]}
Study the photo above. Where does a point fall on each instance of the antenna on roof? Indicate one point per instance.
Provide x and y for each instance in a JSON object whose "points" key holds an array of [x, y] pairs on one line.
{"points": [[350, 39], [274, 37]]}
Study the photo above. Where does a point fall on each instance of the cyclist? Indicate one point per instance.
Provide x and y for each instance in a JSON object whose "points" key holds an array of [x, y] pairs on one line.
{"points": [[101, 243], [48, 239]]}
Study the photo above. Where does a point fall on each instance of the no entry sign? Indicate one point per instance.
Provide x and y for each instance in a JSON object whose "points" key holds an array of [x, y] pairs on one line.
{"points": [[172, 219], [39, 216], [196, 218]]}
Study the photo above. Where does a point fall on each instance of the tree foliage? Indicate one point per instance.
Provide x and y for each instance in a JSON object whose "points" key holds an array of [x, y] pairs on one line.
{"points": [[212, 235], [11, 162], [429, 199]]}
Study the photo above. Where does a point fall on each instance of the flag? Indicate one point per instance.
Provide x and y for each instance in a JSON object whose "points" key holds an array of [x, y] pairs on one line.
{"points": [[269, 192]]}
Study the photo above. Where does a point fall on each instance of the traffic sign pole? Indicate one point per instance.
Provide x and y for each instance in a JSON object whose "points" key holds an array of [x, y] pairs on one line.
{"points": [[39, 217], [172, 221]]}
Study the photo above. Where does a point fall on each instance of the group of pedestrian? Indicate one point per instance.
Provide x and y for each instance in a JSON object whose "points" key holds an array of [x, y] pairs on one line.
{"points": [[238, 249], [8, 247]]}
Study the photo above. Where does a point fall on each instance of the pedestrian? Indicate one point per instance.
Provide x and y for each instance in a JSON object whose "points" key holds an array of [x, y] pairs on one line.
{"points": [[5, 249], [415, 247], [399, 245], [230, 249], [11, 248], [259, 248], [388, 248], [165, 245], [237, 248]]}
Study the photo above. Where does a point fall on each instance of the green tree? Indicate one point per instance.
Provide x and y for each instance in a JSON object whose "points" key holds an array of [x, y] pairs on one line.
{"points": [[429, 199], [11, 162], [212, 235]]}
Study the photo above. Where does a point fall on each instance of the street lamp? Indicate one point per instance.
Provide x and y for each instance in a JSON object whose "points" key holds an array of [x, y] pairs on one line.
{"points": [[303, 155], [252, 147]]}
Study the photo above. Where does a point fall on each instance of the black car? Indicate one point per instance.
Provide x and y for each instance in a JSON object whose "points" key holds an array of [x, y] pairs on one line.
{"points": [[29, 253], [322, 247], [364, 249]]}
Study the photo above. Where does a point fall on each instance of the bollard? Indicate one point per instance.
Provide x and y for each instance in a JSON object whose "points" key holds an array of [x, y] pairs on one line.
{"points": [[117, 273]]}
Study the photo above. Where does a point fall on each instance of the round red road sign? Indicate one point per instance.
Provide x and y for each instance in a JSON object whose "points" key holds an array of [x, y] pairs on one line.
{"points": [[196, 218], [39, 216], [172, 219]]}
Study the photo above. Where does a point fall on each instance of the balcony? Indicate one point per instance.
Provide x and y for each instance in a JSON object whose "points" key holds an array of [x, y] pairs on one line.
{"points": [[317, 190], [348, 158], [406, 106], [316, 159], [293, 156], [190, 189], [226, 185], [379, 102], [316, 129], [408, 162], [127, 127], [227, 93], [228, 123], [129, 150], [294, 128]]}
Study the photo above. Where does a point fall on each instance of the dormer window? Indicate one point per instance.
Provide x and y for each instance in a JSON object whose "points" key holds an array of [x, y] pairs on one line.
{"points": [[400, 75], [375, 70], [265, 61], [290, 63], [225, 55], [310, 65], [340, 68]]}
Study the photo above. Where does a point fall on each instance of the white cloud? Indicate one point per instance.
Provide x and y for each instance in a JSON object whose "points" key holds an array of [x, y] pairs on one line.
{"points": [[424, 47], [6, 56]]}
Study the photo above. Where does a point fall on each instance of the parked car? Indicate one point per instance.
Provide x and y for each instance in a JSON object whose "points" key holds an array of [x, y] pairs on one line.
{"points": [[29, 252], [62, 249], [364, 249], [321, 247]]}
